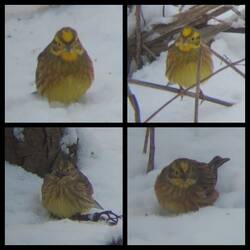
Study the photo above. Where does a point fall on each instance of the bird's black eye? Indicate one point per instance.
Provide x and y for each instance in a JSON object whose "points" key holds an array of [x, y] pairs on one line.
{"points": [[59, 44], [175, 172]]}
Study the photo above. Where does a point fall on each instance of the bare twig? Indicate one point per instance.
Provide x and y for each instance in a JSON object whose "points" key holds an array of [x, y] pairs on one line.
{"points": [[145, 146], [225, 61], [151, 158], [186, 92], [135, 105], [151, 53], [142, 16], [176, 90], [238, 13], [222, 68], [198, 91], [240, 30], [138, 36], [161, 108]]}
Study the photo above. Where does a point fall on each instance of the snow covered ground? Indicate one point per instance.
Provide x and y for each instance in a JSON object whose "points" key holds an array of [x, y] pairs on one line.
{"points": [[227, 85], [28, 223], [27, 33], [220, 224]]}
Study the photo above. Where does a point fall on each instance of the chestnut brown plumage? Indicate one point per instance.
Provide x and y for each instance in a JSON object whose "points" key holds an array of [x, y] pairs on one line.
{"points": [[186, 185]]}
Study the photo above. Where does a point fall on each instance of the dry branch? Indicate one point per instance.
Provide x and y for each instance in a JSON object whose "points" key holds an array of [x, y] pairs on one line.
{"points": [[135, 105], [225, 61], [151, 158], [145, 145], [198, 91], [138, 36], [177, 91]]}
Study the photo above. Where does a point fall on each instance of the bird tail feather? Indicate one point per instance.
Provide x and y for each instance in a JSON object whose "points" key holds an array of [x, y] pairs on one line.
{"points": [[217, 161], [97, 205]]}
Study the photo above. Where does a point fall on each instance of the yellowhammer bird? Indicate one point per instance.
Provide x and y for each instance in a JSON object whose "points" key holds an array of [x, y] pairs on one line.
{"points": [[182, 59], [186, 185], [64, 70], [66, 191]]}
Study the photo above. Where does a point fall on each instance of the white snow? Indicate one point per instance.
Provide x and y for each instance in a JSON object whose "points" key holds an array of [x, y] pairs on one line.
{"points": [[151, 15], [22, 10], [223, 223], [28, 223], [18, 133], [226, 85], [100, 31], [69, 138]]}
